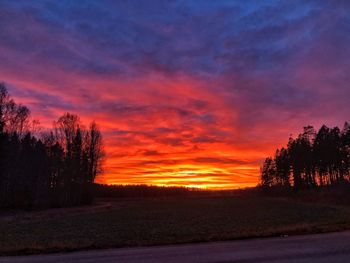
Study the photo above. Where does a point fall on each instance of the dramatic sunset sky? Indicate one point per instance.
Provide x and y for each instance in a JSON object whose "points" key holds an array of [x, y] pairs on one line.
{"points": [[192, 93]]}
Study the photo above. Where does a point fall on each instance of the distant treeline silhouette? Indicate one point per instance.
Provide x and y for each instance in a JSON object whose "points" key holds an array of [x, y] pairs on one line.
{"points": [[141, 191], [313, 159], [154, 191], [56, 168]]}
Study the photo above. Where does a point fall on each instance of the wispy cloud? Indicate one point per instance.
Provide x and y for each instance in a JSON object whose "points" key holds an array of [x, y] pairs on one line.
{"points": [[181, 88]]}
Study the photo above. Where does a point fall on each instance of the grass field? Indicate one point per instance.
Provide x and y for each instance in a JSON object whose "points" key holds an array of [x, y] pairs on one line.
{"points": [[163, 221]]}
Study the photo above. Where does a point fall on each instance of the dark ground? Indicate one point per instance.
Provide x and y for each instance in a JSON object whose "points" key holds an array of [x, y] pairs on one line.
{"points": [[322, 248], [161, 221]]}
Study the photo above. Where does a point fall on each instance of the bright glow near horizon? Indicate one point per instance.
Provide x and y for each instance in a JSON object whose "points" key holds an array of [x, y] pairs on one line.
{"points": [[188, 93]]}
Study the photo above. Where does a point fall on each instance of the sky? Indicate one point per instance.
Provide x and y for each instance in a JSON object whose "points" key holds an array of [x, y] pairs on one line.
{"points": [[190, 93]]}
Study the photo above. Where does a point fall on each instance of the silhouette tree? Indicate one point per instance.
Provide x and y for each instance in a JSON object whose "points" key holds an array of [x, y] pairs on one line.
{"points": [[345, 151], [282, 163], [268, 173], [312, 159], [57, 169]]}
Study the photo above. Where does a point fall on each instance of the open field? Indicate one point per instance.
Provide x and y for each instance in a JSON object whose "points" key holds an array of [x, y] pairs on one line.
{"points": [[320, 248], [163, 221]]}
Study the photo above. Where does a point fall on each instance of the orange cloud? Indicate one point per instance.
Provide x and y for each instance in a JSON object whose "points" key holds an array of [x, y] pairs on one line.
{"points": [[174, 132], [193, 95]]}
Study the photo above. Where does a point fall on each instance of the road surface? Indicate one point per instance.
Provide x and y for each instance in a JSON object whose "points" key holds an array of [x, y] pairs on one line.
{"points": [[333, 247]]}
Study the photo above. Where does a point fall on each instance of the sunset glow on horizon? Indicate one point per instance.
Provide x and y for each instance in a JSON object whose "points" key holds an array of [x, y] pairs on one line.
{"points": [[186, 93]]}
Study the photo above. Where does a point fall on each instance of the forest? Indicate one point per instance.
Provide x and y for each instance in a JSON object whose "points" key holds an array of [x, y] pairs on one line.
{"points": [[46, 168], [314, 159]]}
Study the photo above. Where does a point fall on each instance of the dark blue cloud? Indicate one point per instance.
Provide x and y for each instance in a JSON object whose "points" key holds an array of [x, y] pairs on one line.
{"points": [[129, 37], [205, 39], [183, 74]]}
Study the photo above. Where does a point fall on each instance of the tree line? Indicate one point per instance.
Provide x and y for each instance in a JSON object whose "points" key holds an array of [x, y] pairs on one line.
{"points": [[53, 168], [143, 191], [313, 159]]}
